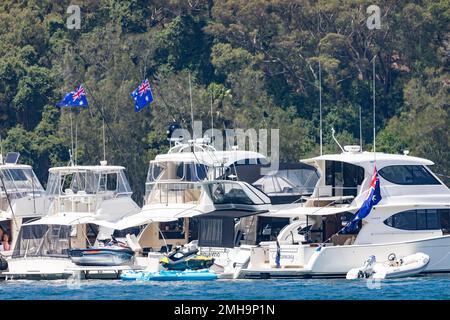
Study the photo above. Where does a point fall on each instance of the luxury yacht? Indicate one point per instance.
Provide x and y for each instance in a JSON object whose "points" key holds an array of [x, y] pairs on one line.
{"points": [[190, 180], [21, 195], [412, 216], [80, 201], [213, 200]]}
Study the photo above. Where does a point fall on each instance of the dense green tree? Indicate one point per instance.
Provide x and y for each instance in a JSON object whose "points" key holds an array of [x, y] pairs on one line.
{"points": [[255, 63]]}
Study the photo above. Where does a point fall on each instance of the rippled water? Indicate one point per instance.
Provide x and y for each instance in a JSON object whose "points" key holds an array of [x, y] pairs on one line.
{"points": [[426, 287]]}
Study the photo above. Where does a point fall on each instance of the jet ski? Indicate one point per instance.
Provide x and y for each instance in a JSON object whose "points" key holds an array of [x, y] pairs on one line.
{"points": [[114, 253], [393, 268], [180, 259], [169, 275]]}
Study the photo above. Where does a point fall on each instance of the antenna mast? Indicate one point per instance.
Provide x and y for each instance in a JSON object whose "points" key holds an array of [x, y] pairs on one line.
{"points": [[320, 107], [212, 117], [192, 108], [104, 137], [360, 130]]}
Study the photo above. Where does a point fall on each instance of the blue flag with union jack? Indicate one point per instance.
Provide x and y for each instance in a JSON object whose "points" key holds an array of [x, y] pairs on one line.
{"points": [[142, 96], [76, 98], [372, 199]]}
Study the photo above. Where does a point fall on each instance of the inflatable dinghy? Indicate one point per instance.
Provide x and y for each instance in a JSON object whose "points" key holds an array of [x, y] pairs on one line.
{"points": [[170, 275], [393, 268]]}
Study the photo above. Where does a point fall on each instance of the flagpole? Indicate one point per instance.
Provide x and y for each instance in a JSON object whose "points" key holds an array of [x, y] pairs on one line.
{"points": [[373, 99], [76, 139], [71, 137]]}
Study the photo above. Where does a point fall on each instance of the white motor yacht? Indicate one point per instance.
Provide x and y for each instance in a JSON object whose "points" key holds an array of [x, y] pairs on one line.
{"points": [[80, 199], [412, 216]]}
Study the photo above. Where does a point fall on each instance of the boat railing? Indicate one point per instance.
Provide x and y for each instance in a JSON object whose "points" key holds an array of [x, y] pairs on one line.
{"points": [[179, 192], [326, 195]]}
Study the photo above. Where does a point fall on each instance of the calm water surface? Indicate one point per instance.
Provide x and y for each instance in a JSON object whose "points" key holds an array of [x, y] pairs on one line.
{"points": [[426, 287]]}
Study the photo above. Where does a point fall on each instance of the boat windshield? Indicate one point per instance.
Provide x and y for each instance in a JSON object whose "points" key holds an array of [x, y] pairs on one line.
{"points": [[43, 240], [88, 182], [18, 182], [20, 179], [180, 171], [288, 181], [174, 182]]}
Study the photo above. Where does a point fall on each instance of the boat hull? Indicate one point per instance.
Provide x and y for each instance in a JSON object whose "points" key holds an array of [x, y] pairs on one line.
{"points": [[336, 261]]}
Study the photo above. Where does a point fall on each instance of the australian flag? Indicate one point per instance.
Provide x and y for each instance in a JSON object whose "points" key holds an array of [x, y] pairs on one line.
{"points": [[142, 96], [372, 199], [76, 98]]}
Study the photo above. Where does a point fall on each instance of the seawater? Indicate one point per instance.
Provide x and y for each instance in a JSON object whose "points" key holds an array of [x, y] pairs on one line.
{"points": [[424, 287]]}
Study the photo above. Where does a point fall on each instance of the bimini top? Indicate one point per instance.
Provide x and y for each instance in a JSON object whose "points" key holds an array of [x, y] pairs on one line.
{"points": [[98, 168], [368, 157], [210, 157]]}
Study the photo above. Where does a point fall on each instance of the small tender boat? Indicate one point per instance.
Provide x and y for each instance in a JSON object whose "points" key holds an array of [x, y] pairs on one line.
{"points": [[170, 275], [183, 260], [105, 256], [393, 268]]}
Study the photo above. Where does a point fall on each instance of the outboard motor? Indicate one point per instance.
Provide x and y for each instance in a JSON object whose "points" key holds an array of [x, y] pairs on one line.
{"points": [[367, 270]]}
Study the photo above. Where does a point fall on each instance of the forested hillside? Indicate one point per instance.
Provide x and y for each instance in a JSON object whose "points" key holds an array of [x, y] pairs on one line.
{"points": [[258, 59]]}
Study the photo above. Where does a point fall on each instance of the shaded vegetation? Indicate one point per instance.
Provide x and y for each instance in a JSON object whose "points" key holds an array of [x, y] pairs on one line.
{"points": [[257, 59]]}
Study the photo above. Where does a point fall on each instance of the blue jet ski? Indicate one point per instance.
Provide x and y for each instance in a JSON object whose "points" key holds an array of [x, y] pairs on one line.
{"points": [[170, 275]]}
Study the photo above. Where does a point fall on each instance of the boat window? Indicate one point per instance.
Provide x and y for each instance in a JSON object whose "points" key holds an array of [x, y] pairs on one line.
{"points": [[172, 229], [408, 175], [343, 177], [224, 193], [123, 185], [288, 181], [445, 220], [216, 232], [108, 182], [269, 228], [20, 180], [420, 219], [195, 172], [91, 233], [155, 171], [42, 240]]}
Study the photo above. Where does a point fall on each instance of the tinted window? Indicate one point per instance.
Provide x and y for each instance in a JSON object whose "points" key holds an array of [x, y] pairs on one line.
{"points": [[343, 176], [408, 175], [422, 219], [445, 219]]}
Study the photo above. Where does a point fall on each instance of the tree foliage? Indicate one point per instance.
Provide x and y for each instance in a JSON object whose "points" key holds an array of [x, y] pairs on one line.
{"points": [[255, 61]]}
